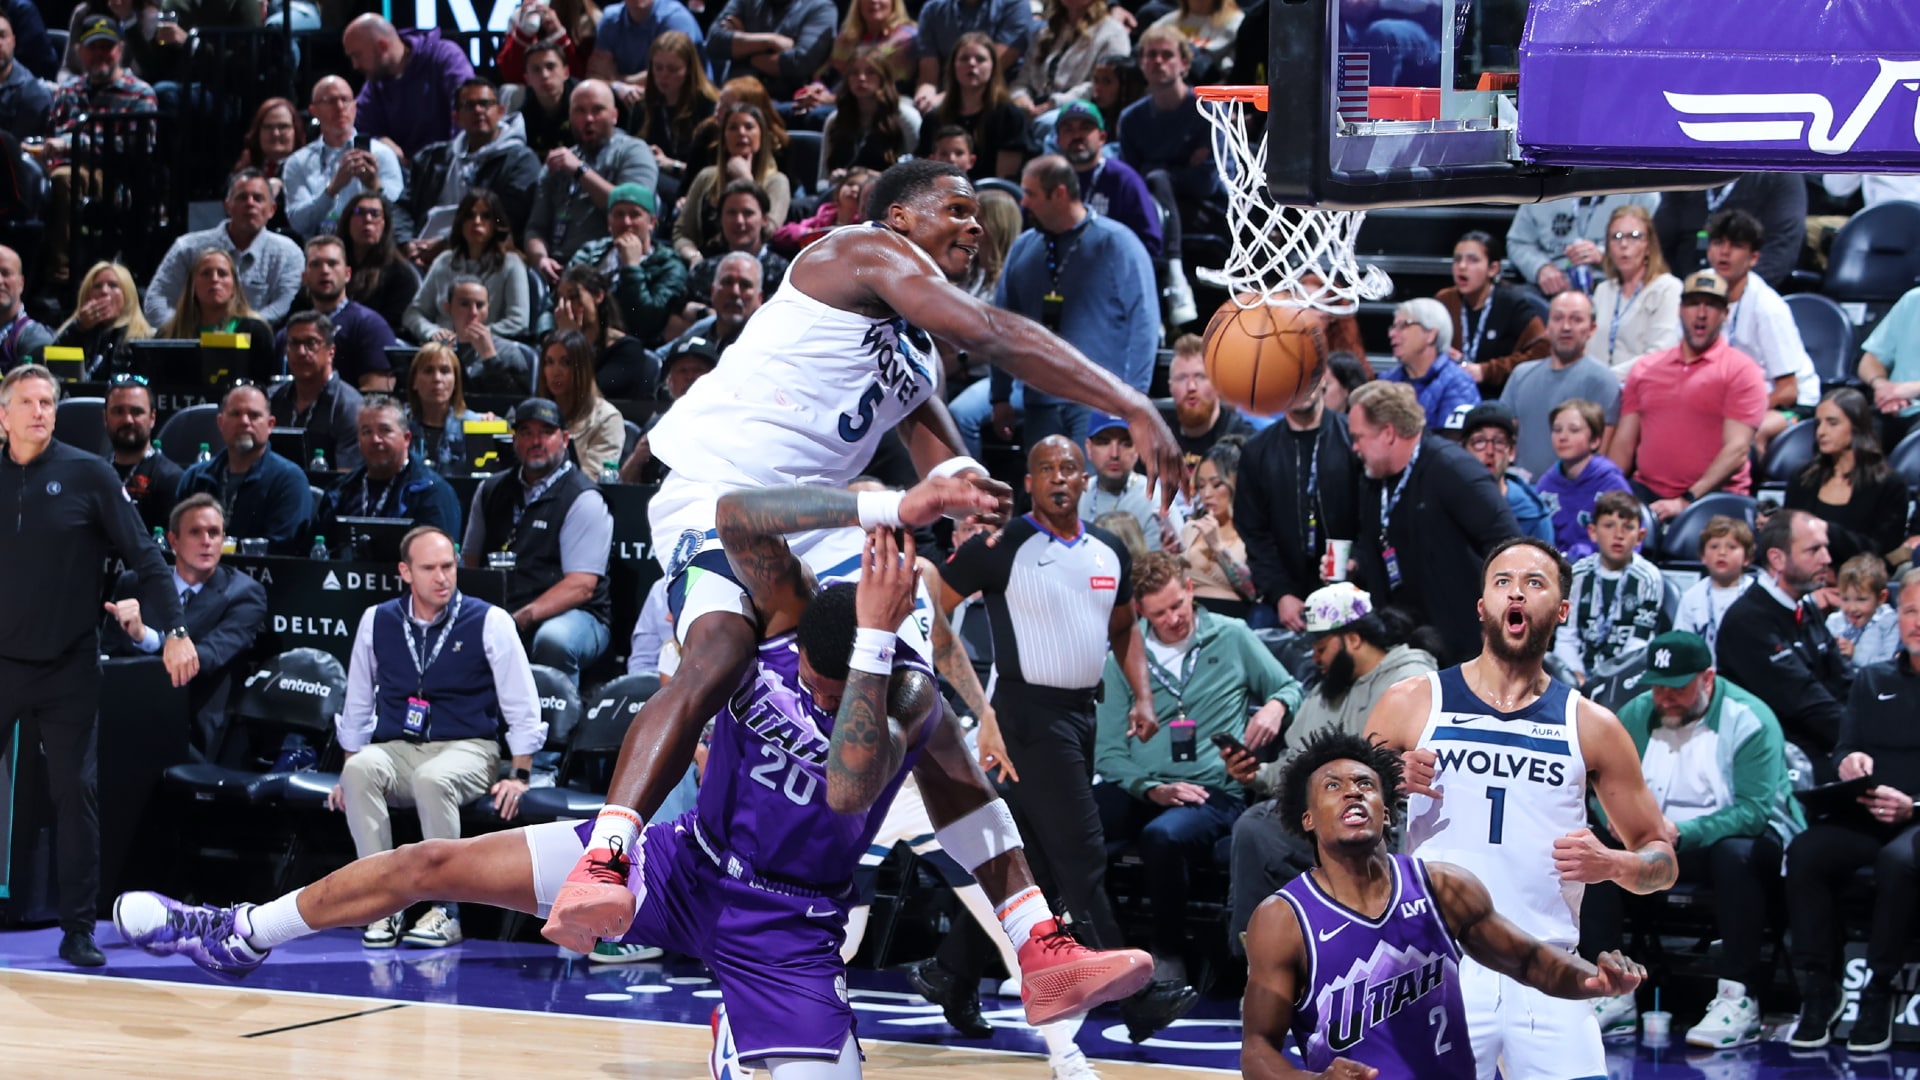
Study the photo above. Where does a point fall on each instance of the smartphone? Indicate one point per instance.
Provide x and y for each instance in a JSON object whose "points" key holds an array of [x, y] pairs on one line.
{"points": [[1227, 742], [363, 142]]}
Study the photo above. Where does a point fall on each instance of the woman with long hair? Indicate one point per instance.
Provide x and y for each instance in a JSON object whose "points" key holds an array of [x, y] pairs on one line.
{"points": [[1636, 309], [1212, 26], [106, 317], [1000, 224], [746, 153], [871, 127], [272, 137], [213, 303], [881, 28], [1216, 555], [739, 89], [678, 99], [480, 243], [974, 96], [1060, 67], [1117, 83], [437, 412], [1848, 482], [383, 279], [622, 366], [566, 379]]}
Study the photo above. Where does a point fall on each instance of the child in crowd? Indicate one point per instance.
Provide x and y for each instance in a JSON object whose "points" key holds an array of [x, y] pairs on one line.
{"points": [[1581, 475], [1617, 592], [1726, 548], [1866, 629]]}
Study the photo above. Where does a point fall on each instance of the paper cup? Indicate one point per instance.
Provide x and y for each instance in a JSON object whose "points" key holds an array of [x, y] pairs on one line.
{"points": [[1333, 564], [1656, 1028]]}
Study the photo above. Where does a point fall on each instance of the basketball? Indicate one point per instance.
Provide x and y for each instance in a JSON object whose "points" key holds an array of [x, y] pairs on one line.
{"points": [[1265, 358]]}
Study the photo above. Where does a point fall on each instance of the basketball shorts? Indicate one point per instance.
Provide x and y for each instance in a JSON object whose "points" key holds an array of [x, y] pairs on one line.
{"points": [[1523, 1034], [774, 954], [699, 578]]}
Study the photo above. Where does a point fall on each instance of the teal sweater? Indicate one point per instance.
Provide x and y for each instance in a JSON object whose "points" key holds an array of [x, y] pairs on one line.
{"points": [[1233, 676]]}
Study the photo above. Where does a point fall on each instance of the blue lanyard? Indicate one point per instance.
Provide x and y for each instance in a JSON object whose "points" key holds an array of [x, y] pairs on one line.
{"points": [[1388, 502], [1472, 334], [1613, 332]]}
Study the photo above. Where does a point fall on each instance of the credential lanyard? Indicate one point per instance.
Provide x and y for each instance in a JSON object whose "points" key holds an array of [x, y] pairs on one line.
{"points": [[1165, 678], [1389, 500], [413, 649], [1311, 503], [1470, 346]]}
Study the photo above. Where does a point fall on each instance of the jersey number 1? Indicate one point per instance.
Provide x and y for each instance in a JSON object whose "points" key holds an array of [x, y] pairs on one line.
{"points": [[1496, 817]]}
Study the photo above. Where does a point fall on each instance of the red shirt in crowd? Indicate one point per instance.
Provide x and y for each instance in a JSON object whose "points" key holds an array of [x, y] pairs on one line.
{"points": [[1682, 405]]}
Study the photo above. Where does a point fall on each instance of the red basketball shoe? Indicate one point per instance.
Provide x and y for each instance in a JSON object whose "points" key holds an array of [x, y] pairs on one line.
{"points": [[1059, 977], [596, 902]]}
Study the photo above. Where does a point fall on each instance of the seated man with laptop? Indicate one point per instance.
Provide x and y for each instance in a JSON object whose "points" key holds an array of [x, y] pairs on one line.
{"points": [[391, 485]]}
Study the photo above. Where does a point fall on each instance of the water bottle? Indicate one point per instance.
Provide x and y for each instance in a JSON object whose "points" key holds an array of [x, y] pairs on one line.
{"points": [[160, 538], [205, 455], [296, 755], [319, 463], [609, 472], [1582, 278], [156, 446], [319, 552]]}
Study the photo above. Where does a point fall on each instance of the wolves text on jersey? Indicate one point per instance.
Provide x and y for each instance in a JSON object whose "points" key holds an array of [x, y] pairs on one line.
{"points": [[1501, 764], [892, 345]]}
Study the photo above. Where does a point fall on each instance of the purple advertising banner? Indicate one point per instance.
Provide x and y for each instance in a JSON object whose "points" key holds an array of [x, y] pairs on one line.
{"points": [[1803, 85]]}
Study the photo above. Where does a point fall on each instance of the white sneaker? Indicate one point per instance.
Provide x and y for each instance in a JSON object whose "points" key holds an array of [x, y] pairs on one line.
{"points": [[435, 930], [1008, 988], [620, 952], [1618, 1015], [1073, 1065], [1733, 1019], [381, 933]]}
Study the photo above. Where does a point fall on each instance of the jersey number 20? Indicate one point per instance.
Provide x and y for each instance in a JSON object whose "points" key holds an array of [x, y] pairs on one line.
{"points": [[799, 784]]}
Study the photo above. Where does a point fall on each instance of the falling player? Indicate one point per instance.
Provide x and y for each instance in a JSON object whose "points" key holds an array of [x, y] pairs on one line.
{"points": [[806, 755], [1360, 956], [843, 353], [1497, 759]]}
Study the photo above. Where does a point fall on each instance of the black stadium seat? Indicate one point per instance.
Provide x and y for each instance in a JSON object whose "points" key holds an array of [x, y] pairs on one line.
{"points": [[180, 437], [803, 160], [81, 423], [1679, 541], [580, 790], [1905, 459], [1788, 454], [1827, 334], [1875, 260]]}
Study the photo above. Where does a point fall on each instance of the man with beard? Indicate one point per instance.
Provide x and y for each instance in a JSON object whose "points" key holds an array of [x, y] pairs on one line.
{"points": [[148, 475], [1109, 186], [266, 496], [1775, 642], [1296, 492], [1117, 487], [1360, 652], [391, 484], [105, 91], [1498, 757], [1712, 751], [1199, 418], [315, 400]]}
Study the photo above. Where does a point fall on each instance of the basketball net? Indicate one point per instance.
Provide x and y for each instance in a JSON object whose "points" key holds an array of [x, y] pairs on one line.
{"points": [[1299, 256]]}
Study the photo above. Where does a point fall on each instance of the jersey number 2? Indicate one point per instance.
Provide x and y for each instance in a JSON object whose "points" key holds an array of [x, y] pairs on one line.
{"points": [[1497, 816], [1437, 1019], [799, 784]]}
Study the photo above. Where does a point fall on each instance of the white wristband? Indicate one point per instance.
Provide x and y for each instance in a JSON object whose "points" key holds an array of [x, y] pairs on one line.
{"points": [[873, 651], [880, 508], [954, 466]]}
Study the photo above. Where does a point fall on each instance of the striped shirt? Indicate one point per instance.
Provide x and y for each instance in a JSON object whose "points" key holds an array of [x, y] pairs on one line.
{"points": [[1613, 613], [1049, 599]]}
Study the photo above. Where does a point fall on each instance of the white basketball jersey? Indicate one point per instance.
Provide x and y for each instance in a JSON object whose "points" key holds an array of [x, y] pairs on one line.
{"points": [[1511, 784], [834, 558]]}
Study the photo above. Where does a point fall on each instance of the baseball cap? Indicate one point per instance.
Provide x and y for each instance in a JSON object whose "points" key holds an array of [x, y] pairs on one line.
{"points": [[1457, 420], [1491, 413], [701, 349], [1337, 606], [638, 194], [1674, 658], [1101, 422], [538, 409], [1706, 283], [99, 28], [1084, 109]]}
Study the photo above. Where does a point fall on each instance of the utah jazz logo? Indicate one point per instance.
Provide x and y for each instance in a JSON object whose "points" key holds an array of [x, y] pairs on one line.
{"points": [[1819, 135]]}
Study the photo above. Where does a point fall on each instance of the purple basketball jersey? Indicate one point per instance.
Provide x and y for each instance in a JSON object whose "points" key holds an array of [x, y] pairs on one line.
{"points": [[1381, 992], [764, 798]]}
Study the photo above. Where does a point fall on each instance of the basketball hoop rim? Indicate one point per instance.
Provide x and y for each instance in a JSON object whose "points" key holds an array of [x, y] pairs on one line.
{"points": [[1252, 95]]}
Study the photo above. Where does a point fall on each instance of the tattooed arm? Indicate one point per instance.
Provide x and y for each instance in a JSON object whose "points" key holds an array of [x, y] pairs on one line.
{"points": [[1648, 864], [1496, 942], [950, 656], [880, 715]]}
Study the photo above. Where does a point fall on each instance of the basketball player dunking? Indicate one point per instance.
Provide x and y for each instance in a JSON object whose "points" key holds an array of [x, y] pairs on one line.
{"points": [[756, 880], [841, 354], [1497, 759], [1360, 956]]}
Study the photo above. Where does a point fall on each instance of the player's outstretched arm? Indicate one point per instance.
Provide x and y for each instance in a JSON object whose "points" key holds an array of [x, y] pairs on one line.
{"points": [[880, 710], [1649, 863], [1493, 940], [1396, 722], [1276, 959]]}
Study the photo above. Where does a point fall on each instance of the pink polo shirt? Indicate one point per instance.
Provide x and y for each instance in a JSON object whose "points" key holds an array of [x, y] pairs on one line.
{"points": [[1682, 406]]}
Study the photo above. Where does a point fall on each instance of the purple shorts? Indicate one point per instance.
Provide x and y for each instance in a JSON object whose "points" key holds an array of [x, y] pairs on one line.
{"points": [[774, 950]]}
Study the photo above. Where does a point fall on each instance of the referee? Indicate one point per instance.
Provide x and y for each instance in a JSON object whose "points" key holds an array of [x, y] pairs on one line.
{"points": [[1057, 595], [65, 511]]}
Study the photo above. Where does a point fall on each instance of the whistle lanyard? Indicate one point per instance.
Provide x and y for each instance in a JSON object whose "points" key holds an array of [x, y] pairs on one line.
{"points": [[1165, 678], [413, 649], [1389, 500]]}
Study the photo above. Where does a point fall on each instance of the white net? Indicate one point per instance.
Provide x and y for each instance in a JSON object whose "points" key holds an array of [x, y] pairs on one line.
{"points": [[1300, 256]]}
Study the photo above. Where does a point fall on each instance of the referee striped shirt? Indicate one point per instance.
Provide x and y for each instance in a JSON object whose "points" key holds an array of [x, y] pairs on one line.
{"points": [[1049, 599]]}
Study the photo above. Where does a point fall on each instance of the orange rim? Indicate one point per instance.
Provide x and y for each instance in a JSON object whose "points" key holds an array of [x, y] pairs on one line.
{"points": [[1254, 95]]}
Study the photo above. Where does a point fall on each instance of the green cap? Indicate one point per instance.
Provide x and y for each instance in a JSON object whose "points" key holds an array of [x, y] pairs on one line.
{"points": [[637, 194], [1674, 658]]}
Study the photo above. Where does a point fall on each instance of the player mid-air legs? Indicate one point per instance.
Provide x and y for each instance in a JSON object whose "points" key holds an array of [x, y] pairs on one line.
{"points": [[1359, 958], [841, 354]]}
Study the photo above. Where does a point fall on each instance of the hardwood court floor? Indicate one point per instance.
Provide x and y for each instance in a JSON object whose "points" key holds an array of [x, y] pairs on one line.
{"points": [[65, 1025]]}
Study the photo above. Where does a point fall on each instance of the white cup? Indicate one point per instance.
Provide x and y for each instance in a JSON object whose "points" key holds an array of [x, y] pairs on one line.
{"points": [[1656, 1028], [1333, 564]]}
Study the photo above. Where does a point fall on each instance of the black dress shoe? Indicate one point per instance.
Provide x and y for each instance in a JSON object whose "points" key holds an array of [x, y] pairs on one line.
{"points": [[1873, 1022], [77, 948], [959, 1002], [1160, 1004]]}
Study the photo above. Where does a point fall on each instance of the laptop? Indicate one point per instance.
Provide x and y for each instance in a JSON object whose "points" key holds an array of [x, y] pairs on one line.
{"points": [[168, 362], [375, 539], [289, 443]]}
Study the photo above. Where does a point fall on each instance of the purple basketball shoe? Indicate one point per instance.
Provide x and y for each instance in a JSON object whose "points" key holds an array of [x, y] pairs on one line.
{"points": [[209, 936]]}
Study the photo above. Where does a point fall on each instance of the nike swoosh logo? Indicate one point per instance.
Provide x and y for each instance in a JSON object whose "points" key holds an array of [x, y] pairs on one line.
{"points": [[1461, 719], [1886, 697], [1327, 935], [812, 914]]}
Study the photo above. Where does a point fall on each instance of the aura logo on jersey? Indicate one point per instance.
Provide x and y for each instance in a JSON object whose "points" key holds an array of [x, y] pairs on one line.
{"points": [[1813, 114], [893, 346], [1362, 999]]}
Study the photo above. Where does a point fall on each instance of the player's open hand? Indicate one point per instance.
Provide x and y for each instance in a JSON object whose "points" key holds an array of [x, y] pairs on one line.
{"points": [[1418, 768], [1342, 1069], [888, 576], [1583, 857], [958, 496], [1614, 974], [1166, 465]]}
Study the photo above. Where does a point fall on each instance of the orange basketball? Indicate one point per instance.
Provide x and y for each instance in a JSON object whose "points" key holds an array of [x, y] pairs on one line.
{"points": [[1267, 357]]}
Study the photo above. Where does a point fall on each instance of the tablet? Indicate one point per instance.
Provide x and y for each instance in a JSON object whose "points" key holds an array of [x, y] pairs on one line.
{"points": [[1829, 799]]}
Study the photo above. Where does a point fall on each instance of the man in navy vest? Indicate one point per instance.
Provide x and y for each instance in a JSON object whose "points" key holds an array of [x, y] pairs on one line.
{"points": [[434, 676], [550, 522]]}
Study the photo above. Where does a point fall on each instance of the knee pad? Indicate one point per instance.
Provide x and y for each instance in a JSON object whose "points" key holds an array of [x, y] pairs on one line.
{"points": [[984, 834]]}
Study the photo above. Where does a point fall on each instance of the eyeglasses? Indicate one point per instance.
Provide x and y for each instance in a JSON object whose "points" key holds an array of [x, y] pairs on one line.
{"points": [[475, 105], [305, 344], [368, 212], [1402, 324], [1489, 442], [127, 378], [1636, 234]]}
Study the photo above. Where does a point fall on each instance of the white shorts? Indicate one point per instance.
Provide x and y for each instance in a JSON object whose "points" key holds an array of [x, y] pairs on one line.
{"points": [[906, 823], [554, 846], [681, 519], [1523, 1034]]}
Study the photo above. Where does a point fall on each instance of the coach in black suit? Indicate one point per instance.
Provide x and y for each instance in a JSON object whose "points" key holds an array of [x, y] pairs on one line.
{"points": [[1429, 514], [223, 609]]}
